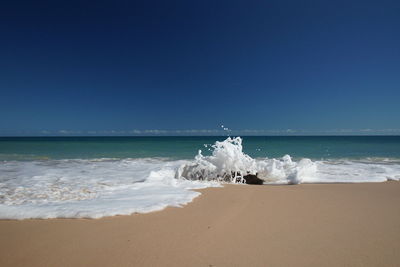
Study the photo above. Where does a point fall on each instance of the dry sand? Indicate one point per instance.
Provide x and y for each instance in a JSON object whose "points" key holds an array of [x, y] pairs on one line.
{"points": [[302, 225]]}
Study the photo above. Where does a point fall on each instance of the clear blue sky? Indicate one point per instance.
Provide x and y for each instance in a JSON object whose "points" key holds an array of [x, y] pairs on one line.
{"points": [[104, 67]]}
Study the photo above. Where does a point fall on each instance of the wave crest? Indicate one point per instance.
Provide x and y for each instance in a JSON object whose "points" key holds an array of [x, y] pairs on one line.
{"points": [[228, 163]]}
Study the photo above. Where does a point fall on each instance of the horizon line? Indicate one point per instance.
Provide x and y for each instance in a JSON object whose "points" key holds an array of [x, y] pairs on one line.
{"points": [[159, 135]]}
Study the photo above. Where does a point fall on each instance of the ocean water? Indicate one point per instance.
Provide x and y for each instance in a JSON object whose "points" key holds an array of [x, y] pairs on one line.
{"points": [[93, 177]]}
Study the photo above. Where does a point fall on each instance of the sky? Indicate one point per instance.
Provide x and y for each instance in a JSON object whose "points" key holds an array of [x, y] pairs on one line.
{"points": [[188, 67]]}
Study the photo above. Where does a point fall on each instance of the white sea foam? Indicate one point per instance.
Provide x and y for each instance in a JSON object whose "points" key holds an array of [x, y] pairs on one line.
{"points": [[105, 187], [91, 188], [229, 163]]}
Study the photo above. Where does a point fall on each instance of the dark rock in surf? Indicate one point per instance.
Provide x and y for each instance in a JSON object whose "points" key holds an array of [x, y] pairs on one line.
{"points": [[252, 179]]}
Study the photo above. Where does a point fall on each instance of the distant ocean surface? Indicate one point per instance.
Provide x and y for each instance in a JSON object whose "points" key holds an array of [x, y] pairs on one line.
{"points": [[92, 177], [313, 147]]}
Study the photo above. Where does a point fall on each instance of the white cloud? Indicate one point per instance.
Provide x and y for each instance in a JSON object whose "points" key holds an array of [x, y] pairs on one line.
{"points": [[204, 132]]}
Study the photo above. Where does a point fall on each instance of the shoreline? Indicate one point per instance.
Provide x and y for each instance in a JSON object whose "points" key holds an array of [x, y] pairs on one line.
{"points": [[299, 225]]}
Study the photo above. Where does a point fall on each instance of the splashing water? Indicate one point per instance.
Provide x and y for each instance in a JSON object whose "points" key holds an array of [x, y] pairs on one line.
{"points": [[228, 163], [94, 188], [226, 130]]}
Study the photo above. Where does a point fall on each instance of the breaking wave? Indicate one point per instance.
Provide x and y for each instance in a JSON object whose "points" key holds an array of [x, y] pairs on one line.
{"points": [[228, 163], [94, 188]]}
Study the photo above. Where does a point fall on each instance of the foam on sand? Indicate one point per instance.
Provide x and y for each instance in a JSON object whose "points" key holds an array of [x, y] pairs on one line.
{"points": [[91, 188], [95, 188]]}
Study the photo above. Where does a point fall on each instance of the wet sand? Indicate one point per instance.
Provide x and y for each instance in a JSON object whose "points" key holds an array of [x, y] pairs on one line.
{"points": [[238, 225]]}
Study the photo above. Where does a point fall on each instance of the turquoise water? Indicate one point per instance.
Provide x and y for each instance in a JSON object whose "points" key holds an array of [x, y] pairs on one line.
{"points": [[314, 147], [92, 177]]}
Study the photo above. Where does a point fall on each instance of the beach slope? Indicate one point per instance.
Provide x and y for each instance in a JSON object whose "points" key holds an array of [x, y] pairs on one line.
{"points": [[238, 225]]}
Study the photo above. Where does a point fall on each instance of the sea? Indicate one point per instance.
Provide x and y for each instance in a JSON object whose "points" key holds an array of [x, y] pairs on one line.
{"points": [[94, 177]]}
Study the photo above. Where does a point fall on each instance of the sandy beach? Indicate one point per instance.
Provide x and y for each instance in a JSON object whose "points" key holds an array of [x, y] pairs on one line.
{"points": [[238, 225]]}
